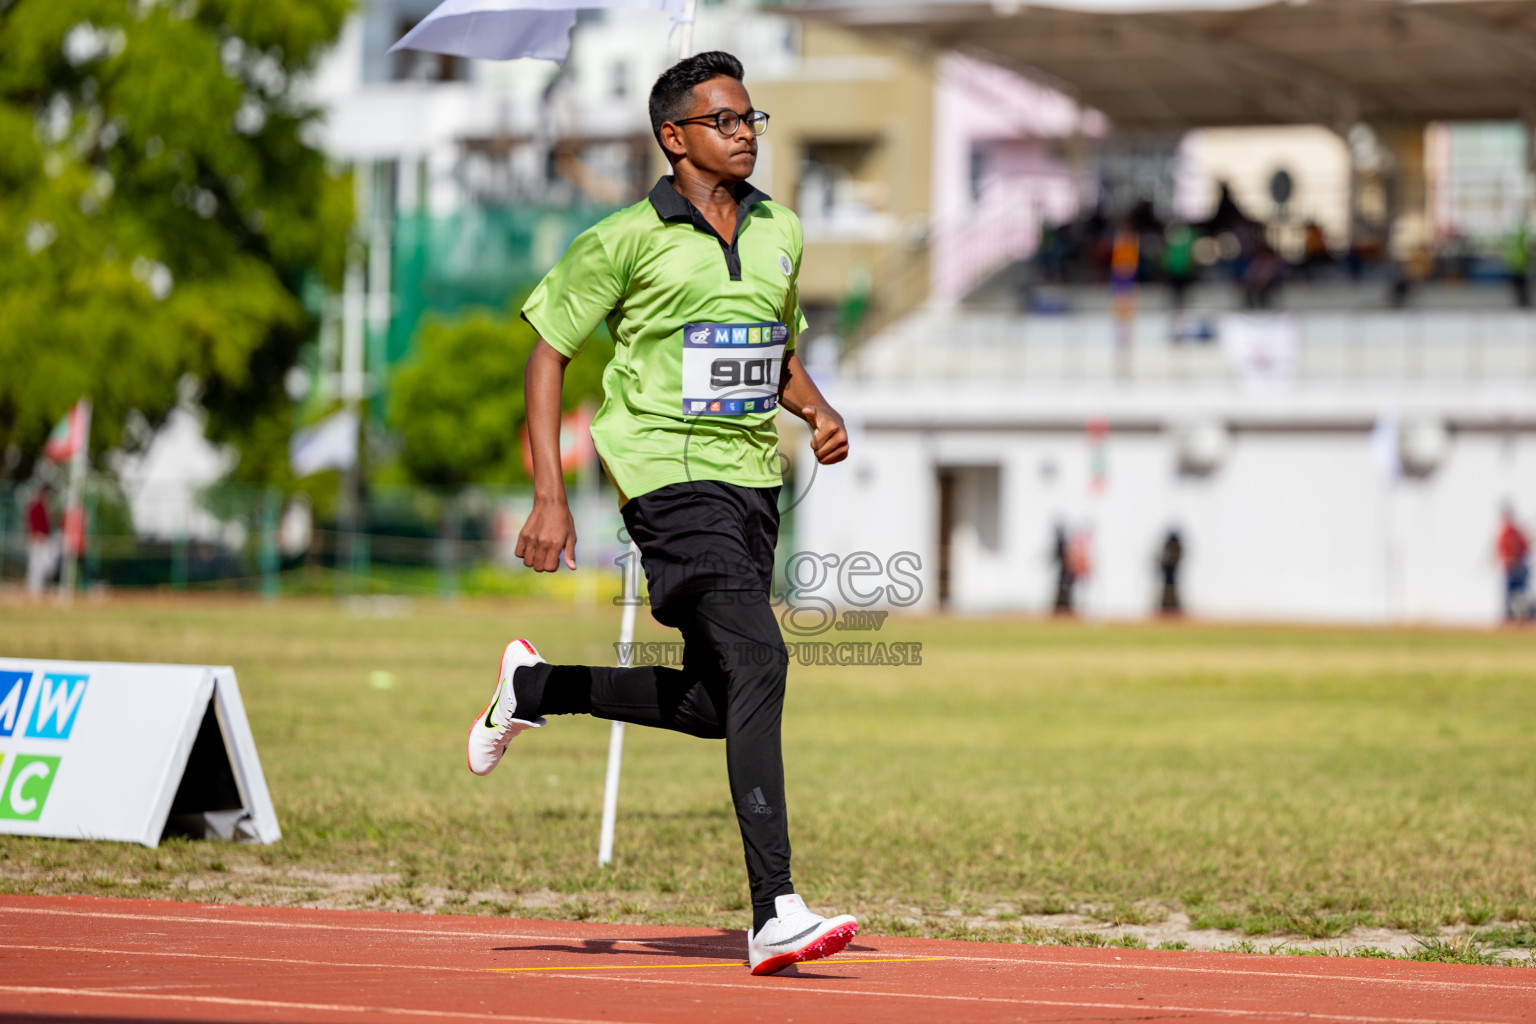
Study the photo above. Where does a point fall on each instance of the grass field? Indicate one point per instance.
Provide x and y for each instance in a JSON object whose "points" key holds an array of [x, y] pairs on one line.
{"points": [[1275, 782]]}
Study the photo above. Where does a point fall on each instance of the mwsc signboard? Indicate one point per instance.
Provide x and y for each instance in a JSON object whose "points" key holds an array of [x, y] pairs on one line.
{"points": [[103, 750]]}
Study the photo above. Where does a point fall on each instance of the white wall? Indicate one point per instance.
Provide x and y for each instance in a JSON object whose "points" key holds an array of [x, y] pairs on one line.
{"points": [[1296, 524]]}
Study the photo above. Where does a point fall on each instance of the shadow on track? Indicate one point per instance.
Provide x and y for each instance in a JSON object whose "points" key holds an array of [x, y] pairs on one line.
{"points": [[729, 944]]}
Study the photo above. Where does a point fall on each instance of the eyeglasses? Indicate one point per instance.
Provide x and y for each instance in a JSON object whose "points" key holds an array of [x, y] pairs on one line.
{"points": [[728, 121]]}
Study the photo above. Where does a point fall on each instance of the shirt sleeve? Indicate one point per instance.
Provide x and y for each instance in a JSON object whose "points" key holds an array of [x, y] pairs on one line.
{"points": [[801, 325], [796, 319], [576, 295]]}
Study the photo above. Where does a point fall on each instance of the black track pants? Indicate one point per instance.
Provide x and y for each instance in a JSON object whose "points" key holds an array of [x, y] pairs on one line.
{"points": [[731, 687]]}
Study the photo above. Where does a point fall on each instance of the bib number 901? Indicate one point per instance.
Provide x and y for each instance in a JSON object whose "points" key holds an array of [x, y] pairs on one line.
{"points": [[735, 373]]}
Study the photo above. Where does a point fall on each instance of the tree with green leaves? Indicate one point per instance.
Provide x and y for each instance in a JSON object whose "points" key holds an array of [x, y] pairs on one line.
{"points": [[161, 211], [457, 405]]}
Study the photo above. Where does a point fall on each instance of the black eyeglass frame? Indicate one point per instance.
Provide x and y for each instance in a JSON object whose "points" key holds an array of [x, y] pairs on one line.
{"points": [[717, 118]]}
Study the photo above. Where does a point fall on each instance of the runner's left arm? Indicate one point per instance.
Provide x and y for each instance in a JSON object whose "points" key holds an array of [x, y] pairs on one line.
{"points": [[800, 395]]}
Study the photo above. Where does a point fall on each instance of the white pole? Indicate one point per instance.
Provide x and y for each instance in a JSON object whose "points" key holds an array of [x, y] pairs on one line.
{"points": [[354, 313], [354, 322], [616, 734], [685, 23]]}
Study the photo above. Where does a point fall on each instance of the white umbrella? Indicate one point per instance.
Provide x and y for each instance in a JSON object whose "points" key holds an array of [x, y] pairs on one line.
{"points": [[505, 29]]}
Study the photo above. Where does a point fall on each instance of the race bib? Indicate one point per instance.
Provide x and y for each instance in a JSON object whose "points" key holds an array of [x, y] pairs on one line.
{"points": [[732, 369]]}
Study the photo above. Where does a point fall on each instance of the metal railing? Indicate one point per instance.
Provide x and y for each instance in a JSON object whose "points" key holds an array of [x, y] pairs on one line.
{"points": [[226, 538], [1356, 346]]}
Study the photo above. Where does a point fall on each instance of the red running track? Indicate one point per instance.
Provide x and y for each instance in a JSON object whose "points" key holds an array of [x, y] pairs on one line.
{"points": [[117, 960]]}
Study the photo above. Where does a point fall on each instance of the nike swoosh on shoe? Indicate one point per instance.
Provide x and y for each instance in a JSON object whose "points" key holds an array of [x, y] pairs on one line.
{"points": [[490, 708], [794, 938]]}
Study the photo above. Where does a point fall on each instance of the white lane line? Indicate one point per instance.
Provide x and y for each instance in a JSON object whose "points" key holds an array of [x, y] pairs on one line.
{"points": [[242, 959], [300, 962], [822, 990], [276, 1004], [755, 988], [168, 986], [296, 961], [733, 950], [315, 926], [1528, 988]]}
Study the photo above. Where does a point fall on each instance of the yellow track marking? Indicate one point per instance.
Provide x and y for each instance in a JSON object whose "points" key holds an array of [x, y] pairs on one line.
{"points": [[619, 967], [830, 962]]}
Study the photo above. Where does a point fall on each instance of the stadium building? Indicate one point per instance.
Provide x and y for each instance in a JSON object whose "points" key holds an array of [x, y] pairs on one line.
{"points": [[1331, 413]]}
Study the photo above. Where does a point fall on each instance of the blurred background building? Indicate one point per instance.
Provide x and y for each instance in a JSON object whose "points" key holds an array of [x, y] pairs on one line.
{"points": [[1253, 278], [1278, 311]]}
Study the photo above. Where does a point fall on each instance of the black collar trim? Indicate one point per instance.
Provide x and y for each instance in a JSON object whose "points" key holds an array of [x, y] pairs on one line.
{"points": [[670, 204]]}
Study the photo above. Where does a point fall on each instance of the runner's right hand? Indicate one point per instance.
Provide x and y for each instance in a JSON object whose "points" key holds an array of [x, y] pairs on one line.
{"points": [[549, 533]]}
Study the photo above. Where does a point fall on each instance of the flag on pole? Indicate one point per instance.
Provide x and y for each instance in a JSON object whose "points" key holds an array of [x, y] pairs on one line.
{"points": [[69, 434], [329, 444], [507, 29], [69, 444]]}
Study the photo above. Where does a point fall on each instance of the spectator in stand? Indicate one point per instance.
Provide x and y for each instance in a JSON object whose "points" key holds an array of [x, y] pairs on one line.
{"points": [[1514, 550], [1150, 235], [1179, 262], [1124, 261], [1227, 216], [1517, 260], [1365, 250], [1410, 273], [1097, 242], [1262, 276], [1052, 253], [1315, 257], [1099, 246], [42, 545]]}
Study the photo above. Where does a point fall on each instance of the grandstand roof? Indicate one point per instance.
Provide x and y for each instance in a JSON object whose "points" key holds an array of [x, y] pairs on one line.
{"points": [[1168, 65]]}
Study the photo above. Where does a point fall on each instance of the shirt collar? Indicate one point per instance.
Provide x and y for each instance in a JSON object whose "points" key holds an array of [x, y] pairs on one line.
{"points": [[670, 204]]}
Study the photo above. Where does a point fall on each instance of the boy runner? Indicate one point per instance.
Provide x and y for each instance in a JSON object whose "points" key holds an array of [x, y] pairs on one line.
{"points": [[698, 285]]}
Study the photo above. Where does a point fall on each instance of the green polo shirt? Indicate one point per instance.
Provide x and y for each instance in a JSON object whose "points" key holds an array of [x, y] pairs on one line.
{"points": [[681, 405]]}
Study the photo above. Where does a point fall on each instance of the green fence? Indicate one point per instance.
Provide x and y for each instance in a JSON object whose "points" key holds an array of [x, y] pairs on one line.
{"points": [[478, 257], [407, 541]]}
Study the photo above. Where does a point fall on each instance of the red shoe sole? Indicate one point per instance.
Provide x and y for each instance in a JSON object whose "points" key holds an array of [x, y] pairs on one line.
{"points": [[828, 944]]}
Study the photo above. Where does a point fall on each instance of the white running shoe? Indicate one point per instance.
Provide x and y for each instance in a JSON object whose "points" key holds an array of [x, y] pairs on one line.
{"points": [[795, 935], [494, 729]]}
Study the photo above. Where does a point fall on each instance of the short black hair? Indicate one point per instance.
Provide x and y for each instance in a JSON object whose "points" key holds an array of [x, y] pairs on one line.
{"points": [[673, 91]]}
